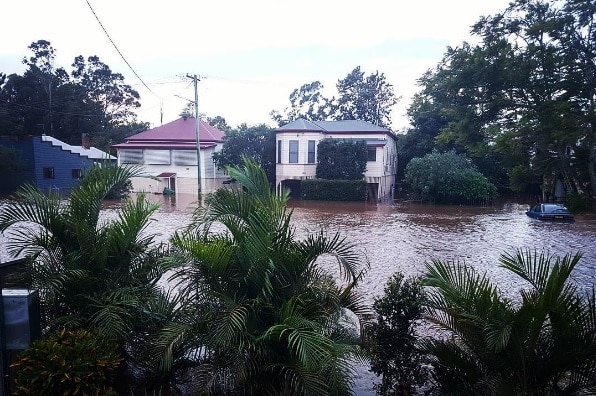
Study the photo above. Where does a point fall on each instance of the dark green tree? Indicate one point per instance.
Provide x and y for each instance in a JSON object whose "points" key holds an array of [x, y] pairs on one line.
{"points": [[46, 99], [367, 98], [256, 142], [447, 178], [360, 97], [306, 102], [341, 159], [394, 354], [524, 96]]}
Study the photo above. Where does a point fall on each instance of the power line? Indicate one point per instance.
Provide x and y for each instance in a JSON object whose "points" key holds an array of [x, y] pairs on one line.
{"points": [[117, 50]]}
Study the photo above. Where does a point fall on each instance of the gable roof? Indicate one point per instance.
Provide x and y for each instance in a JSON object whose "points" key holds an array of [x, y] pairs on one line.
{"points": [[344, 126], [179, 134], [91, 152]]}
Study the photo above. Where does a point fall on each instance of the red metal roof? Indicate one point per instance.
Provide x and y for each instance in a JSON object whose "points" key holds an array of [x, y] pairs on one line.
{"points": [[179, 134]]}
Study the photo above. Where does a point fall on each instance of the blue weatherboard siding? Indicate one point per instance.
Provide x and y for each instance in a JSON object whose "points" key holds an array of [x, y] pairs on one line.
{"points": [[63, 162], [35, 156]]}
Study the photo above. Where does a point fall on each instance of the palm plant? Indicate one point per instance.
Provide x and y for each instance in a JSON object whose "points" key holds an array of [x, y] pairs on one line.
{"points": [[544, 343], [90, 272], [259, 313]]}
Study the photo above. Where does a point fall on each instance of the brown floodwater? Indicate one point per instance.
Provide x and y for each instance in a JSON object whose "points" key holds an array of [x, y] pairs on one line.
{"points": [[403, 236]]}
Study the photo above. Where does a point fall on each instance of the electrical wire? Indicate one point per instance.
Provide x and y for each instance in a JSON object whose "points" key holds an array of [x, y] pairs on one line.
{"points": [[118, 50]]}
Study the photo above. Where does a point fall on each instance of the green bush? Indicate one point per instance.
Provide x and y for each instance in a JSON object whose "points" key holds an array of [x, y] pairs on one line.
{"points": [[392, 339], [333, 190], [578, 203], [341, 159], [448, 178], [69, 362]]}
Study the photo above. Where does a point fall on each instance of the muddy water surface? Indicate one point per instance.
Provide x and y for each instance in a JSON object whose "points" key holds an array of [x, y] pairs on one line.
{"points": [[403, 236]]}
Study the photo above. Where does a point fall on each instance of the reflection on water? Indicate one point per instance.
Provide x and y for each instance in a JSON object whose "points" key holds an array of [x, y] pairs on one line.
{"points": [[403, 236]]}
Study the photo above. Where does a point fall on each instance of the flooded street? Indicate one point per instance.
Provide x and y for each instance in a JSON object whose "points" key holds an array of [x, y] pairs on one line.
{"points": [[403, 236]]}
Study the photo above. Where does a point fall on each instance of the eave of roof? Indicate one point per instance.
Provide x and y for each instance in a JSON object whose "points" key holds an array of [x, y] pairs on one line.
{"points": [[163, 145], [182, 129], [343, 127]]}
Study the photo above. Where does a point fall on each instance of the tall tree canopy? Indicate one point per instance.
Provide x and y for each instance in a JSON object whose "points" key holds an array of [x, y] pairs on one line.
{"points": [[256, 142], [360, 97], [525, 95], [47, 99]]}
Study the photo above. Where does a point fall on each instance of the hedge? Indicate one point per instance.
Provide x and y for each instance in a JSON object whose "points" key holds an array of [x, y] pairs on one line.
{"points": [[333, 190]]}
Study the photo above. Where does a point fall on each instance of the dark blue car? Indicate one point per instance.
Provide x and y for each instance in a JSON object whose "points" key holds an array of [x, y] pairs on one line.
{"points": [[550, 212]]}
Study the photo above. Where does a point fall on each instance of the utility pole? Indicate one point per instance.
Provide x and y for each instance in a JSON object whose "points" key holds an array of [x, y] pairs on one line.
{"points": [[197, 123]]}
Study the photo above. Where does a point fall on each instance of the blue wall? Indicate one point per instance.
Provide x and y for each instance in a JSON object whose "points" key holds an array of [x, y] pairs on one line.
{"points": [[37, 155]]}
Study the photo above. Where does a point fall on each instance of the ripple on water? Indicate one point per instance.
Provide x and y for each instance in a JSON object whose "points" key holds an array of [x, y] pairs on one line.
{"points": [[403, 237]]}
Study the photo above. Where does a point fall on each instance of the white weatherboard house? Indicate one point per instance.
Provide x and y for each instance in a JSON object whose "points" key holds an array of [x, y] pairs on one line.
{"points": [[168, 154], [296, 152]]}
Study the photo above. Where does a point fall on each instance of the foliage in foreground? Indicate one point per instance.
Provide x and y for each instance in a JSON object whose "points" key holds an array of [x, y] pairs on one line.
{"points": [[544, 343], [258, 312], [447, 178], [68, 362], [92, 272], [394, 354]]}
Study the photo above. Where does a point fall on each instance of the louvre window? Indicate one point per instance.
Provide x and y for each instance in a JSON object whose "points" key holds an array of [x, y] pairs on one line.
{"points": [[130, 156], [184, 157]]}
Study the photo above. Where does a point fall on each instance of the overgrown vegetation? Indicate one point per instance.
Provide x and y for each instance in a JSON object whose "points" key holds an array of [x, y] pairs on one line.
{"points": [[91, 273], [257, 314], [333, 190], [339, 159], [448, 178], [542, 343], [68, 362], [394, 354]]}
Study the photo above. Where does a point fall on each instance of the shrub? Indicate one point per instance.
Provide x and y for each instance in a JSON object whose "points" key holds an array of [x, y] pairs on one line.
{"points": [[69, 362], [334, 190], [447, 178], [394, 355], [339, 159]]}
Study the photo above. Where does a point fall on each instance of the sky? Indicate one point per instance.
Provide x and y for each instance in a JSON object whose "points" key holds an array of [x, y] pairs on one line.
{"points": [[249, 55]]}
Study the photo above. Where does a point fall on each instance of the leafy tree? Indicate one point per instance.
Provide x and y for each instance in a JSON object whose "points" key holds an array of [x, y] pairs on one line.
{"points": [[363, 98], [341, 159], [447, 177], [258, 313], [220, 123], [46, 99], [11, 160], [92, 273], [525, 94], [306, 102], [395, 356], [541, 343], [256, 142], [360, 97]]}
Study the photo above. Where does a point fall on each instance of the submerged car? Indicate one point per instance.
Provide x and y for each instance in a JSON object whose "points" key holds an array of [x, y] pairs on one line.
{"points": [[550, 212]]}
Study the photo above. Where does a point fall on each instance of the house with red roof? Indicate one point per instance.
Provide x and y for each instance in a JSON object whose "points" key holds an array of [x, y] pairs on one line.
{"points": [[169, 156], [296, 153]]}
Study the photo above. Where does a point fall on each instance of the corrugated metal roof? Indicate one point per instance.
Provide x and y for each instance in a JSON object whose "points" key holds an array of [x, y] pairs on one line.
{"points": [[345, 126], [191, 145], [180, 129]]}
